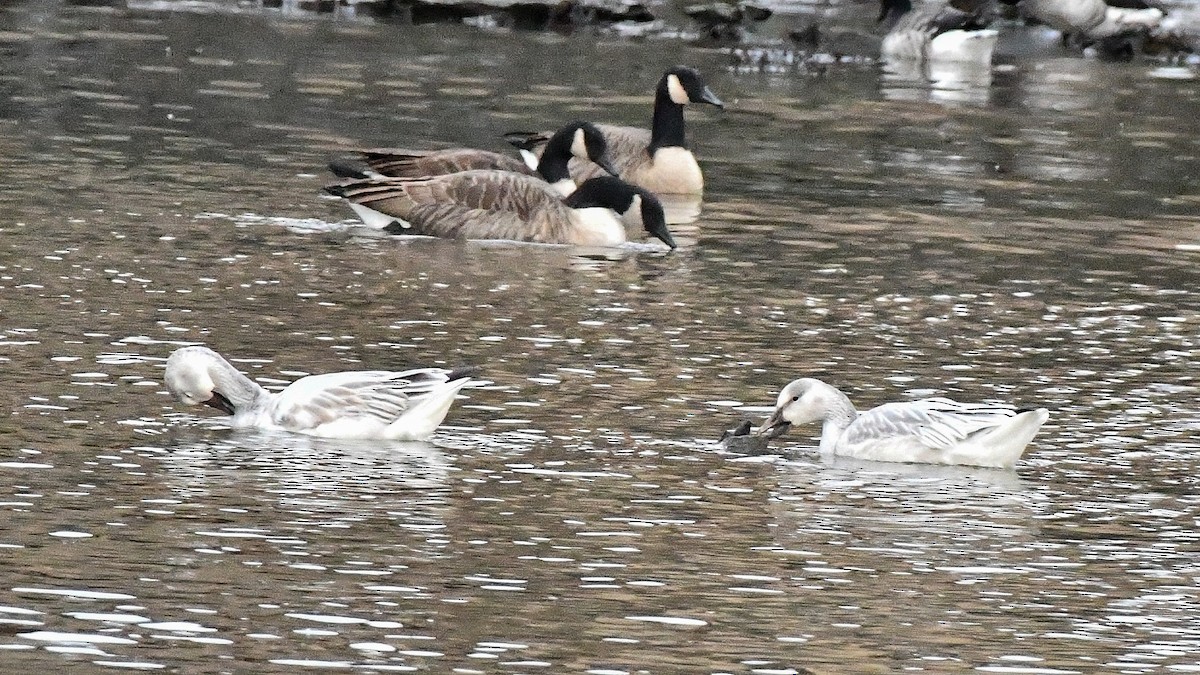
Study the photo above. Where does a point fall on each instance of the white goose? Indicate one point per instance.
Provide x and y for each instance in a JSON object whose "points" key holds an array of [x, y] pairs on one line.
{"points": [[363, 404], [931, 431]]}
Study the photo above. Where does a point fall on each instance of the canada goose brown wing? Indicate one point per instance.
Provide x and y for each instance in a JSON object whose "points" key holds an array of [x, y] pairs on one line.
{"points": [[470, 204], [459, 222], [626, 150], [400, 163], [496, 192]]}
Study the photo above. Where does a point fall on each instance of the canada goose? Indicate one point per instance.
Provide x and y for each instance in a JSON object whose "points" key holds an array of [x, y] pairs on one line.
{"points": [[1089, 21], [658, 159], [365, 404], [577, 139], [506, 205], [931, 431], [939, 31]]}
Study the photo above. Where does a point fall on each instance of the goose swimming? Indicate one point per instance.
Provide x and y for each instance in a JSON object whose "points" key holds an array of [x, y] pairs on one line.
{"points": [[932, 431], [506, 205], [363, 404], [582, 140], [656, 159], [1092, 20], [937, 30]]}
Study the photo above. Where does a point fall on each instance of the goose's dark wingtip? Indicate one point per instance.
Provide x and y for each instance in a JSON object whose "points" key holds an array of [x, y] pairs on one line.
{"points": [[463, 371], [348, 168], [523, 140], [338, 189]]}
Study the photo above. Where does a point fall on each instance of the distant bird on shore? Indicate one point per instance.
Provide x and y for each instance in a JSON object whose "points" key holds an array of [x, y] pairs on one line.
{"points": [[726, 21]]}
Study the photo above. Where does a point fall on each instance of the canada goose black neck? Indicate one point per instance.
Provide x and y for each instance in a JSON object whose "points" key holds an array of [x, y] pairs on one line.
{"points": [[666, 131], [553, 165]]}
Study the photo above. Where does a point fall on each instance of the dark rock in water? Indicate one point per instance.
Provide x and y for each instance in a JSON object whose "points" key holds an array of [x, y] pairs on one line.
{"points": [[742, 429], [743, 439]]}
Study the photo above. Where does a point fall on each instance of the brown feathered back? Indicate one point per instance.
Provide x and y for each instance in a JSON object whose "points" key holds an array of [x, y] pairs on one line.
{"points": [[402, 163], [478, 204]]}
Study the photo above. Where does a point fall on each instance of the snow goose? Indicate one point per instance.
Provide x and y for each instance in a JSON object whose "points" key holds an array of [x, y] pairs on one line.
{"points": [[931, 431], [577, 139], [506, 205], [936, 30], [656, 159], [363, 404]]}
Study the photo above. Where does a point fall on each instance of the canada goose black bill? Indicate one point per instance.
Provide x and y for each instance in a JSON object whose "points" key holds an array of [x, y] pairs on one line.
{"points": [[505, 205], [656, 159], [684, 85], [582, 140]]}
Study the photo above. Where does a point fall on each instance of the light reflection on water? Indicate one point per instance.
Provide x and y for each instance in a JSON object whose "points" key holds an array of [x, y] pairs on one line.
{"points": [[1031, 241]]}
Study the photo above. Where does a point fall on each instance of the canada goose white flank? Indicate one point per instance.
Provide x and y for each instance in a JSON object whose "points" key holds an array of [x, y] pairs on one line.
{"points": [[656, 159], [953, 31], [365, 404], [577, 139], [506, 205], [931, 431]]}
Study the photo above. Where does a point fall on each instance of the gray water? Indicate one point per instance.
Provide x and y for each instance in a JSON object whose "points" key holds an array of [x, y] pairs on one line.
{"points": [[1033, 240]]}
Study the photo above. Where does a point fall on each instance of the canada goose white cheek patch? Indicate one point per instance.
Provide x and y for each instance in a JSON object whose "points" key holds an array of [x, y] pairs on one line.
{"points": [[676, 91], [633, 215], [564, 187], [579, 145]]}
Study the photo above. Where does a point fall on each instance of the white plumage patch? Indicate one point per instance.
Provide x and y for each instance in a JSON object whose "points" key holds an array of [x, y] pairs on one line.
{"points": [[675, 89], [968, 46], [579, 145], [372, 218], [598, 226], [633, 214], [564, 187]]}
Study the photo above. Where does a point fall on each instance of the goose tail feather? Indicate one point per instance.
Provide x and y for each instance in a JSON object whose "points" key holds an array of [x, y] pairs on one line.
{"points": [[420, 421]]}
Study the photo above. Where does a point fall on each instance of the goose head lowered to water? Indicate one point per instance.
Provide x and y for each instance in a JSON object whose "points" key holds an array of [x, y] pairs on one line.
{"points": [[360, 404], [932, 431]]}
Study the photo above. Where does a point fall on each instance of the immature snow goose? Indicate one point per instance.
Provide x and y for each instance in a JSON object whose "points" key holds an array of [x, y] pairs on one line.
{"points": [[932, 431], [506, 205], [657, 159], [365, 404], [936, 30], [577, 139]]}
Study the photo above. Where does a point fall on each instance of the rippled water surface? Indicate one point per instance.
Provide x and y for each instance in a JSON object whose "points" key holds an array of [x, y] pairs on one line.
{"points": [[1032, 240]]}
